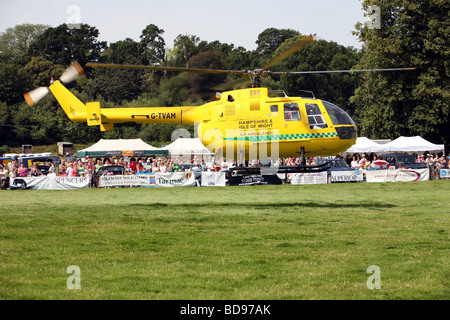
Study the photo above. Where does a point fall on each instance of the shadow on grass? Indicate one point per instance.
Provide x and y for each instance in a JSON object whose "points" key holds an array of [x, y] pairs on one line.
{"points": [[304, 204]]}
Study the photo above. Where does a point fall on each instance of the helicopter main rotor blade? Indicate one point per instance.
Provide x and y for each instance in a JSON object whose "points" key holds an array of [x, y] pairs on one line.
{"points": [[344, 71], [231, 85], [304, 41], [132, 66]]}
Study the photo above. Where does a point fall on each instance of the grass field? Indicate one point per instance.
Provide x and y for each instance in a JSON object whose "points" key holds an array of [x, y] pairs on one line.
{"points": [[257, 242]]}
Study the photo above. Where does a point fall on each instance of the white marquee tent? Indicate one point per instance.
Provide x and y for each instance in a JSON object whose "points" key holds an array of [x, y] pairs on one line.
{"points": [[412, 144], [121, 147], [365, 145], [187, 146], [401, 144]]}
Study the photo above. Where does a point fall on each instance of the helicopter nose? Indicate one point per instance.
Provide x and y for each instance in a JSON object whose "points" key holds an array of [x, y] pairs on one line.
{"points": [[346, 133]]}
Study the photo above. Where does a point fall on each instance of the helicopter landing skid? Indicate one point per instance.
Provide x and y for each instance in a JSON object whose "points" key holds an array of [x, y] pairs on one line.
{"points": [[281, 169]]}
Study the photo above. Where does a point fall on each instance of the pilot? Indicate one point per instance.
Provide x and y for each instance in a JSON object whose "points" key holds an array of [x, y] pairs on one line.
{"points": [[230, 98]]}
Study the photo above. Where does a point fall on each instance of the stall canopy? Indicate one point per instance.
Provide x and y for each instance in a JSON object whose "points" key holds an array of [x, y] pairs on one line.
{"points": [[365, 145], [412, 144], [121, 147], [187, 146]]}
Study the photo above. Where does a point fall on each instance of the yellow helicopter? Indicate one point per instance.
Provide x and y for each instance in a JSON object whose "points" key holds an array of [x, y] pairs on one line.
{"points": [[243, 124]]}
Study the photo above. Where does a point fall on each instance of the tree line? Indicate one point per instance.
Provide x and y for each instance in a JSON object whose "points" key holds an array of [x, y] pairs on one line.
{"points": [[383, 104]]}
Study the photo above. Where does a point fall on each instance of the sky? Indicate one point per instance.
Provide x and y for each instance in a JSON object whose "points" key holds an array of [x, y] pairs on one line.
{"points": [[237, 22]]}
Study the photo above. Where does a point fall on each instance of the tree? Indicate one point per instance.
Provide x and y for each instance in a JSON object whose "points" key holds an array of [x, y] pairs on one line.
{"points": [[62, 45], [40, 71], [202, 84], [154, 45], [117, 85], [125, 51], [270, 39], [185, 46], [391, 104], [13, 82], [14, 42]]}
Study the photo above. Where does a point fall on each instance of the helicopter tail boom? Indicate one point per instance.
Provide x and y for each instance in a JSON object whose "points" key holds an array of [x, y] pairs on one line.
{"points": [[91, 112]]}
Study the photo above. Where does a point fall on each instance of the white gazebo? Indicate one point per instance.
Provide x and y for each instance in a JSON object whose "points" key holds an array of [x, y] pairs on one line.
{"points": [[412, 144]]}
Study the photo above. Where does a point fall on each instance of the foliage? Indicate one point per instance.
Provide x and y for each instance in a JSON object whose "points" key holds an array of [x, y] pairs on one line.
{"points": [[390, 104], [14, 42], [63, 45]]}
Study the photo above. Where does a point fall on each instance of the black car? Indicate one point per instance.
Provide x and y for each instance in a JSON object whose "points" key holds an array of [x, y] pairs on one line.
{"points": [[114, 170], [406, 160]]}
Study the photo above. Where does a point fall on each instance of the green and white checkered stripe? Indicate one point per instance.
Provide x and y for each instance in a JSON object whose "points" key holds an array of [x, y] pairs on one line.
{"points": [[285, 137]]}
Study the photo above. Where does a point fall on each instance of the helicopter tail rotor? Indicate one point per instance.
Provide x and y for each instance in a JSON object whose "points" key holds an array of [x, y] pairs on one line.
{"points": [[70, 74], [34, 96]]}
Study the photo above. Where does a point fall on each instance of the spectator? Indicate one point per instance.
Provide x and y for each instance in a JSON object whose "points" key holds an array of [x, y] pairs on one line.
{"points": [[98, 165], [62, 168], [35, 172], [354, 163], [162, 166], [148, 165], [421, 160], [70, 170], [139, 167], [21, 171], [51, 173]]}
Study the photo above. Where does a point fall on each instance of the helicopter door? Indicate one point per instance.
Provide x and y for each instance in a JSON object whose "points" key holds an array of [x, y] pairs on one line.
{"points": [[315, 117]]}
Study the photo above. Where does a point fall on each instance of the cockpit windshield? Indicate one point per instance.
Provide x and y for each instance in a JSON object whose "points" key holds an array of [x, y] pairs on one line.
{"points": [[337, 115]]}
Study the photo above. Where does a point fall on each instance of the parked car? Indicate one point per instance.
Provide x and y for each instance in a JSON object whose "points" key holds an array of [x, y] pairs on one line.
{"points": [[43, 163], [406, 160], [110, 170], [335, 164], [190, 166]]}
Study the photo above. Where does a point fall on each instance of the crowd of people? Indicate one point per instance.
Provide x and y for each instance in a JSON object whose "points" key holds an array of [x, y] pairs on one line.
{"points": [[366, 161], [88, 167]]}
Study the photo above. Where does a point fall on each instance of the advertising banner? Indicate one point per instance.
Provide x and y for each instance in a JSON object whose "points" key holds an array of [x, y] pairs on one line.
{"points": [[251, 179], [213, 179], [347, 176], [444, 174], [309, 178], [49, 183], [175, 179], [124, 180], [397, 175]]}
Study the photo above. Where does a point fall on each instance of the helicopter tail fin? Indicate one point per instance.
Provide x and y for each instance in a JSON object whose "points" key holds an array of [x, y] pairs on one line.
{"points": [[72, 106]]}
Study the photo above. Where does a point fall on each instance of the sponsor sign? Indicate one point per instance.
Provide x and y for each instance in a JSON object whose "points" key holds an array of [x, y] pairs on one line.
{"points": [[309, 178], [445, 173], [49, 183], [175, 179], [397, 175], [124, 180], [213, 179], [347, 176], [251, 179]]}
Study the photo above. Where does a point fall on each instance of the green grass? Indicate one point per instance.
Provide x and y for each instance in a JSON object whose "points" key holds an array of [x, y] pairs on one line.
{"points": [[257, 242]]}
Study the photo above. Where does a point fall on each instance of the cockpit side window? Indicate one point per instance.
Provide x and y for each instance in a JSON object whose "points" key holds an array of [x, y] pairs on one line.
{"points": [[315, 117], [337, 115], [291, 111]]}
